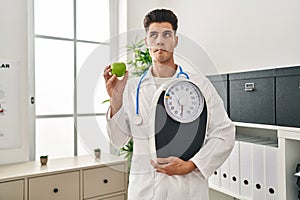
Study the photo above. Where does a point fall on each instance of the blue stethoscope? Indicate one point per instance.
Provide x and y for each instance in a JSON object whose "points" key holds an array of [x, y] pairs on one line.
{"points": [[138, 118]]}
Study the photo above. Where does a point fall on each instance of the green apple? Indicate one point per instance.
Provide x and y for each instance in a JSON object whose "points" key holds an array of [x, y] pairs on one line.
{"points": [[118, 68]]}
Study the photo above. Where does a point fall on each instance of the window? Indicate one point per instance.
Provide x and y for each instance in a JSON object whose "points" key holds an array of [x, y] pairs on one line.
{"points": [[65, 33]]}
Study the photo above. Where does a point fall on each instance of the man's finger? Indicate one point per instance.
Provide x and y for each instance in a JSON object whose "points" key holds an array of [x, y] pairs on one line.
{"points": [[162, 160], [110, 81], [125, 77], [161, 171], [157, 165], [106, 74], [166, 160], [154, 164]]}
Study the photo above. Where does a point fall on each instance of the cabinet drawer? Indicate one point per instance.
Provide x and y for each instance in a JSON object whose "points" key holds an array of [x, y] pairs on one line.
{"points": [[58, 186], [288, 101], [252, 100], [13, 190], [104, 180], [118, 197]]}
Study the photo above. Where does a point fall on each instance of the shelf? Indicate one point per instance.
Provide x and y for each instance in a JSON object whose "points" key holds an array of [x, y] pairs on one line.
{"points": [[227, 192], [287, 147], [260, 126], [291, 134]]}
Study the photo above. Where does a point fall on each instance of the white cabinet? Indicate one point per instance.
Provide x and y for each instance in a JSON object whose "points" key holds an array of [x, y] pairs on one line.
{"points": [[118, 197], [74, 178], [12, 190], [102, 181], [58, 186], [264, 160], [289, 141], [114, 197]]}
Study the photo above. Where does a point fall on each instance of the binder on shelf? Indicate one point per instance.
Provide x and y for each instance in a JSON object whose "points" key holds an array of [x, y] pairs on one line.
{"points": [[271, 159], [246, 169], [234, 168], [259, 186], [224, 174], [214, 179], [252, 163]]}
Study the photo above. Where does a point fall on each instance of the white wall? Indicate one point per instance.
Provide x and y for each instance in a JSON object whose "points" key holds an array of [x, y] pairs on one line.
{"points": [[137, 9], [14, 46], [237, 35]]}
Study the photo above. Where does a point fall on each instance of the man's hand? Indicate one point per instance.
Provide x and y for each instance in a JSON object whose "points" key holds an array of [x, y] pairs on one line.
{"points": [[173, 166], [115, 89]]}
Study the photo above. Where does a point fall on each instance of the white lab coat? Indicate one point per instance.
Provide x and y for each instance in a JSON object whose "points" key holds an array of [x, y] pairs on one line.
{"points": [[144, 181]]}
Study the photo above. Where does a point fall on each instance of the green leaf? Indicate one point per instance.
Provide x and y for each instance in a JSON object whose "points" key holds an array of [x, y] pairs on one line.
{"points": [[105, 101]]}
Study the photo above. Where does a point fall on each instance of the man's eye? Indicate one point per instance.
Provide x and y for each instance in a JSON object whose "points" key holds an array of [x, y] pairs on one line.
{"points": [[153, 35], [167, 35]]}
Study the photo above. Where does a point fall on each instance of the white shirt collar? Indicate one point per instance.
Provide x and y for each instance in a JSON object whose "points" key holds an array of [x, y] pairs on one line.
{"points": [[150, 75]]}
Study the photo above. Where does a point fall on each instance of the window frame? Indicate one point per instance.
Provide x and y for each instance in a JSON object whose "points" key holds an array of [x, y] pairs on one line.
{"points": [[114, 29]]}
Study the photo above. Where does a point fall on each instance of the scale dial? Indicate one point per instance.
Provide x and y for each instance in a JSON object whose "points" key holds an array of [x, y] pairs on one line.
{"points": [[183, 101]]}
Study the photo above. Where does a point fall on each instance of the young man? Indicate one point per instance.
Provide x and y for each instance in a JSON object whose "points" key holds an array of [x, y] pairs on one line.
{"points": [[171, 177]]}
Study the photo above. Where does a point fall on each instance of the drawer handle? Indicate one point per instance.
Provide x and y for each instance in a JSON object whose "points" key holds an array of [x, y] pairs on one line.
{"points": [[55, 190], [249, 87], [105, 181]]}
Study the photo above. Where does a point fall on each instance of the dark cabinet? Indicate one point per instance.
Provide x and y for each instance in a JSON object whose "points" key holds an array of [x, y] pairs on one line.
{"points": [[220, 82], [263, 97], [252, 97], [288, 96]]}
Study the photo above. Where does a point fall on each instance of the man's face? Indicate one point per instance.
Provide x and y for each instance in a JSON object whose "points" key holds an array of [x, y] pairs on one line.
{"points": [[161, 41]]}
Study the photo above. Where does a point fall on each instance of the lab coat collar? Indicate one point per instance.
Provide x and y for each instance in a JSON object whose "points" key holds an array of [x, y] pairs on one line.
{"points": [[150, 76]]}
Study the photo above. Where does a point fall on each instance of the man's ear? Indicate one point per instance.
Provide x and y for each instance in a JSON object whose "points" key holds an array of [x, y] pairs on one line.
{"points": [[176, 41], [146, 42]]}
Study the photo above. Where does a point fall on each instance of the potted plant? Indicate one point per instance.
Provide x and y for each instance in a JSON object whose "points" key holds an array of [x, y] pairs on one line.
{"points": [[44, 159], [141, 60], [97, 152]]}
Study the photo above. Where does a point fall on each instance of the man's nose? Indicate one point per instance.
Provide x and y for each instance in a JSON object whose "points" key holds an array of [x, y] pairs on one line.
{"points": [[160, 40]]}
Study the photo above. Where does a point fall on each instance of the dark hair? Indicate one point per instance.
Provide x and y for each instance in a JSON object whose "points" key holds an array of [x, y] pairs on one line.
{"points": [[160, 15]]}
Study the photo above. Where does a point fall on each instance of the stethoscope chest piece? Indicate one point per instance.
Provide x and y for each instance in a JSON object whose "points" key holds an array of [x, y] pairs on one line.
{"points": [[137, 119]]}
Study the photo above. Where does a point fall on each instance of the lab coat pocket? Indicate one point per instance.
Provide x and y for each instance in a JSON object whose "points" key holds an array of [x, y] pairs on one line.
{"points": [[178, 188], [198, 186], [141, 186]]}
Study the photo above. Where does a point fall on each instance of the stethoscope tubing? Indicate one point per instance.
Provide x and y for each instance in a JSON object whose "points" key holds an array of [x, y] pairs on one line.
{"points": [[181, 72], [137, 93]]}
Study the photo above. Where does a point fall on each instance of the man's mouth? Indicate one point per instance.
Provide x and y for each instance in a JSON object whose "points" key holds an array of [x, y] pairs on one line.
{"points": [[157, 50]]}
